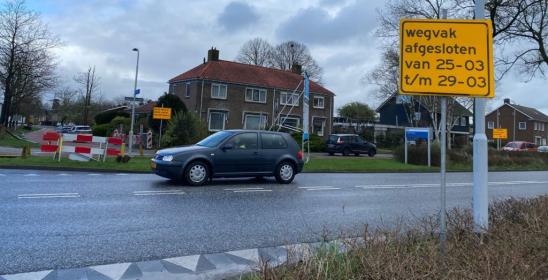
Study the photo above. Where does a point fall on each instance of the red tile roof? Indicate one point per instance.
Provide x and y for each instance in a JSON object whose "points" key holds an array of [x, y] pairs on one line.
{"points": [[239, 73]]}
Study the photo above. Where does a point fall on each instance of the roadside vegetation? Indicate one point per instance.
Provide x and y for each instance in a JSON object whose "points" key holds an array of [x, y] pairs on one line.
{"points": [[7, 140], [461, 158], [514, 247], [136, 164]]}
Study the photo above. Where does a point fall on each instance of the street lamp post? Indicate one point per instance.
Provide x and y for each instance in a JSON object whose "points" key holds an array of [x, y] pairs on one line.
{"points": [[133, 103]]}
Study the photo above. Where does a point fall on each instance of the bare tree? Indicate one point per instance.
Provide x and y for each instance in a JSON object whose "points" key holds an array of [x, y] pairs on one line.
{"points": [[259, 52], [289, 53], [90, 84], [256, 52], [26, 62]]}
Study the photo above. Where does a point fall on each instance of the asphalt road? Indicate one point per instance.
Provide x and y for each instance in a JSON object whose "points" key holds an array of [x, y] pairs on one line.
{"points": [[52, 219]]}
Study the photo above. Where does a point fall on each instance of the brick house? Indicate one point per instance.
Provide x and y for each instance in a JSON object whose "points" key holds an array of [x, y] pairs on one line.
{"points": [[231, 95], [523, 123]]}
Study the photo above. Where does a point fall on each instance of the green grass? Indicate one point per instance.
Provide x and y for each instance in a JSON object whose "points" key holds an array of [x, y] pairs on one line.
{"points": [[7, 140], [361, 165], [136, 164], [142, 164]]}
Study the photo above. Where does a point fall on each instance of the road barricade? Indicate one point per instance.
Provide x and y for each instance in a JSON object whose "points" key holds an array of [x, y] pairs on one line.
{"points": [[94, 147]]}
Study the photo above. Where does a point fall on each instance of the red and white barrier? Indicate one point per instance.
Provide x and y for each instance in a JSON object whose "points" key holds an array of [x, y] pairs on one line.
{"points": [[62, 145]]}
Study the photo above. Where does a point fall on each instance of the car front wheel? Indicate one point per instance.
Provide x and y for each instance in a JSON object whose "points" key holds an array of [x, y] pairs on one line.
{"points": [[372, 152], [285, 172], [196, 173]]}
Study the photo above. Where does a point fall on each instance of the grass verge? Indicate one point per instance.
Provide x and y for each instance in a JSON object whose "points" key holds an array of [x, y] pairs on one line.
{"points": [[136, 164], [8, 140], [514, 247], [335, 164]]}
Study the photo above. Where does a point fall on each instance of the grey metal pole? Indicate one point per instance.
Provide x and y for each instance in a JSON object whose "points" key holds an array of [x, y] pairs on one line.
{"points": [[480, 200], [133, 104], [429, 149], [405, 140], [443, 144]]}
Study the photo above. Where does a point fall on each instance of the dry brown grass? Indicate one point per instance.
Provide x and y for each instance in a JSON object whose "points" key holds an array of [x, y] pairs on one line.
{"points": [[515, 247]]}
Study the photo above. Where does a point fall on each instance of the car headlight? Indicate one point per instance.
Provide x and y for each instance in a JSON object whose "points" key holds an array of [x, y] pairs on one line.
{"points": [[167, 158]]}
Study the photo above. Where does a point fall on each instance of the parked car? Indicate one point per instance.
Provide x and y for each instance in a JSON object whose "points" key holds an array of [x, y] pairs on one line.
{"points": [[542, 149], [81, 129], [232, 153], [66, 129], [347, 144], [520, 146]]}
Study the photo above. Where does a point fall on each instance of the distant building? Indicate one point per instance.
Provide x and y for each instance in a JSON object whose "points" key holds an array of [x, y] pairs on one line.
{"points": [[523, 123], [231, 95]]}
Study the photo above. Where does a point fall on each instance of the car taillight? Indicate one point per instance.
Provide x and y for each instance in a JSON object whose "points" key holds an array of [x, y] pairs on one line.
{"points": [[300, 155]]}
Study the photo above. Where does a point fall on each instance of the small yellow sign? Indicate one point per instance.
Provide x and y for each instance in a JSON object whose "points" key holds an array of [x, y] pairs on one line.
{"points": [[446, 58], [161, 113], [500, 133]]}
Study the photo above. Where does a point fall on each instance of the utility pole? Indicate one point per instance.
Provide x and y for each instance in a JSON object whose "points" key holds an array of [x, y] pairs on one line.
{"points": [[133, 103], [480, 200]]}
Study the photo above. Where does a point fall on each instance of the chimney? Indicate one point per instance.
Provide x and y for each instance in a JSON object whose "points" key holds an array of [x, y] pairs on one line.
{"points": [[213, 54], [296, 68], [506, 100]]}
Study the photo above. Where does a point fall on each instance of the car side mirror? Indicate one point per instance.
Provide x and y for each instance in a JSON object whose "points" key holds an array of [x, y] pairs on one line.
{"points": [[228, 147]]}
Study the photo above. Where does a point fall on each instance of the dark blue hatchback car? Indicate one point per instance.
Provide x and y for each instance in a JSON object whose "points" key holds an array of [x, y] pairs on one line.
{"points": [[232, 153]]}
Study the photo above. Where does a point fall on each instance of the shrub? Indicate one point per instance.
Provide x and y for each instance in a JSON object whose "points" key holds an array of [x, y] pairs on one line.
{"points": [[390, 140], [101, 129], [183, 129], [107, 117], [317, 143], [418, 154]]}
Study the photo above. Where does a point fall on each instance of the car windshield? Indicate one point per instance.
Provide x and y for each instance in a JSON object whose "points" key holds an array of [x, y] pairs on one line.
{"points": [[214, 139]]}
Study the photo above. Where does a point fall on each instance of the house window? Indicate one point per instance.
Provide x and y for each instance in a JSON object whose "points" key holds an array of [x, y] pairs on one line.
{"points": [[318, 126], [290, 122], [463, 121], [217, 120], [318, 102], [539, 141], [187, 90], [255, 95], [542, 127], [289, 98], [522, 125], [255, 121], [218, 91], [490, 124]]}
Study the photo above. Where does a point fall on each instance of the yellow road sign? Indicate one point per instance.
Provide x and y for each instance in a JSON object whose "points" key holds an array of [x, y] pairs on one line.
{"points": [[159, 113], [500, 133], [446, 57]]}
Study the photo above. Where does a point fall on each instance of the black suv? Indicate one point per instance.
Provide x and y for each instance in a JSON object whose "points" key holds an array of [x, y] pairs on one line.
{"points": [[347, 144], [232, 153]]}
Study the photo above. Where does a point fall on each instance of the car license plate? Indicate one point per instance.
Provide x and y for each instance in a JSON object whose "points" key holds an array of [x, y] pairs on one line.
{"points": [[153, 165]]}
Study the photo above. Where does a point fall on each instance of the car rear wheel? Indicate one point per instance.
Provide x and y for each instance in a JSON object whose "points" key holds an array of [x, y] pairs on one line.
{"points": [[372, 152], [285, 172], [196, 173], [346, 152]]}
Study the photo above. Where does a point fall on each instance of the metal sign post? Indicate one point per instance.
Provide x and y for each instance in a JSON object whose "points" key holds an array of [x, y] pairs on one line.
{"points": [[443, 143], [480, 200]]}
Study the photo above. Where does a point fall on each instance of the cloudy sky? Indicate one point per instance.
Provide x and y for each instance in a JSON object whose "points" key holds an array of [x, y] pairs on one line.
{"points": [[174, 36]]}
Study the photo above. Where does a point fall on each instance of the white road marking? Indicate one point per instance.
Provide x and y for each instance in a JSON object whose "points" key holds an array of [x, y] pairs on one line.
{"points": [[319, 188], [252, 190], [167, 192], [63, 174], [31, 175], [418, 186], [121, 174], [49, 195], [94, 174], [2, 175], [242, 189]]}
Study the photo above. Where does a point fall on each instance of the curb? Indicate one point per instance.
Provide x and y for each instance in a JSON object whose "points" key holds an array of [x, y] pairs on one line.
{"points": [[223, 265]]}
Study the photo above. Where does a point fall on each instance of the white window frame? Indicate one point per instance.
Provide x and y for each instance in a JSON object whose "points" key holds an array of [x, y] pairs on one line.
{"points": [[319, 98], [187, 90], [223, 113], [463, 121], [324, 123], [542, 127], [220, 86], [263, 118], [524, 126], [490, 124], [260, 90], [282, 120], [294, 98]]}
